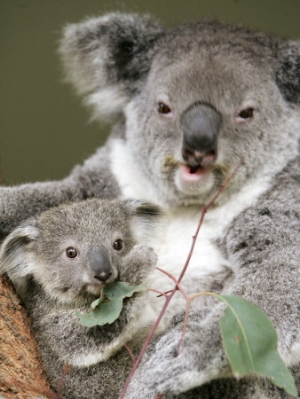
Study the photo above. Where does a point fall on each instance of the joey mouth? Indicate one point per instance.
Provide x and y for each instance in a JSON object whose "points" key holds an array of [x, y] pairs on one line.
{"points": [[103, 277], [95, 289], [97, 285], [94, 286]]}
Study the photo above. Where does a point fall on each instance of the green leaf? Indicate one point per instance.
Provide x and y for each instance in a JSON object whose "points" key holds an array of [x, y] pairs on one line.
{"points": [[120, 289], [250, 342], [107, 308], [107, 313], [97, 302]]}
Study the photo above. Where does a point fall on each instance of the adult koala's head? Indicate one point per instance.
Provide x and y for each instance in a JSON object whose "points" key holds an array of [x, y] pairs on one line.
{"points": [[196, 99]]}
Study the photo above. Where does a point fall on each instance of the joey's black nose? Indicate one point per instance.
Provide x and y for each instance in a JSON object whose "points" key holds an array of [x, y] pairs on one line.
{"points": [[100, 264], [200, 126]]}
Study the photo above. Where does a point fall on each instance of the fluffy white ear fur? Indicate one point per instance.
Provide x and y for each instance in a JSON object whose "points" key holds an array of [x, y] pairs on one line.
{"points": [[85, 58], [106, 58], [107, 103], [15, 257]]}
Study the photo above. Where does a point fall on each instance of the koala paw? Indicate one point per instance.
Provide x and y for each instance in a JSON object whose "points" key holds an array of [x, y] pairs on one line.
{"points": [[170, 370]]}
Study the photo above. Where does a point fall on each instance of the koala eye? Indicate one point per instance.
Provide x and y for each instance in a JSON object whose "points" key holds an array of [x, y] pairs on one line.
{"points": [[71, 252], [118, 245], [244, 114], [163, 108]]}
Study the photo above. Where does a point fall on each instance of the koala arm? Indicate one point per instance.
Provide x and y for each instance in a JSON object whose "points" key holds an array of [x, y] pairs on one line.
{"points": [[263, 245], [92, 179]]}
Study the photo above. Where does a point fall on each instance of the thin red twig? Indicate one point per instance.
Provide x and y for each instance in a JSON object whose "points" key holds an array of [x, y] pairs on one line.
{"points": [[130, 353], [178, 286], [169, 296], [204, 210], [160, 293]]}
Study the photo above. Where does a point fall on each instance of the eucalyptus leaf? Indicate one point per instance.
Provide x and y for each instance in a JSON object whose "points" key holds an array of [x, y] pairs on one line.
{"points": [[106, 313], [107, 308], [120, 289], [250, 342], [97, 302]]}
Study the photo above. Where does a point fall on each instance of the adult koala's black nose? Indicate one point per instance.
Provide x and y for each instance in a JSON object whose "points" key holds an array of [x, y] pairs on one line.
{"points": [[200, 126], [100, 264]]}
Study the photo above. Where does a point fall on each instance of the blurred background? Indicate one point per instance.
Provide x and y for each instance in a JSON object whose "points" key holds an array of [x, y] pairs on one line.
{"points": [[44, 130]]}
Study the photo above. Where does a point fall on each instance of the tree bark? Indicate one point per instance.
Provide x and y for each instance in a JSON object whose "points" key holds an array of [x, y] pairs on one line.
{"points": [[21, 371]]}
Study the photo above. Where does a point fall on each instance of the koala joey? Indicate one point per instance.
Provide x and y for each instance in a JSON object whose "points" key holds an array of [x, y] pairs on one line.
{"points": [[67, 255], [190, 103]]}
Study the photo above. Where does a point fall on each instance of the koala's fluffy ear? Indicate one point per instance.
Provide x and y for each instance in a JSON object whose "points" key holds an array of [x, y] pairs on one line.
{"points": [[106, 58], [15, 256], [145, 217], [288, 73]]}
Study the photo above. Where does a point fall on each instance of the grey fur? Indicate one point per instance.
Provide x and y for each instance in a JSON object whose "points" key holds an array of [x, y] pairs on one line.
{"points": [[56, 286], [264, 242], [130, 67]]}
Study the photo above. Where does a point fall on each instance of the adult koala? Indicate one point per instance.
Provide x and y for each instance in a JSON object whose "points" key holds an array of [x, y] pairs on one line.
{"points": [[191, 102]]}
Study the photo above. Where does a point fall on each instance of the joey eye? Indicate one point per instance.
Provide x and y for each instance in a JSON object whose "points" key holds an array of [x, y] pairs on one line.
{"points": [[118, 245], [245, 114], [163, 108], [71, 252]]}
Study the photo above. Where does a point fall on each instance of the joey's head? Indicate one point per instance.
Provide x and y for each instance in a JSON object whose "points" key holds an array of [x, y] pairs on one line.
{"points": [[196, 99], [73, 250]]}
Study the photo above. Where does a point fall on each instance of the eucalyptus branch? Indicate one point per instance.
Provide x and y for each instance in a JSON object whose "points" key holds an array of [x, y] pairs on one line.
{"points": [[179, 288], [130, 353]]}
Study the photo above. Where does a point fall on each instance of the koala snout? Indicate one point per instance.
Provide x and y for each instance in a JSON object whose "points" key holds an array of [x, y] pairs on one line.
{"points": [[100, 264], [200, 126]]}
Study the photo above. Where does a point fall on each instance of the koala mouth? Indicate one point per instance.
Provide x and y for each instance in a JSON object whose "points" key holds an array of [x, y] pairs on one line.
{"points": [[194, 162], [195, 168], [192, 173], [199, 160], [199, 163], [95, 289]]}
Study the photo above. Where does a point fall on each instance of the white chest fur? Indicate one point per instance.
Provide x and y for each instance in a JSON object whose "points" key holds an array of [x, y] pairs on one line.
{"points": [[172, 244], [173, 239]]}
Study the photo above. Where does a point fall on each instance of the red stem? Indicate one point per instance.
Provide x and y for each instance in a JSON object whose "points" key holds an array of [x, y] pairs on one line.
{"points": [[146, 343], [170, 296]]}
